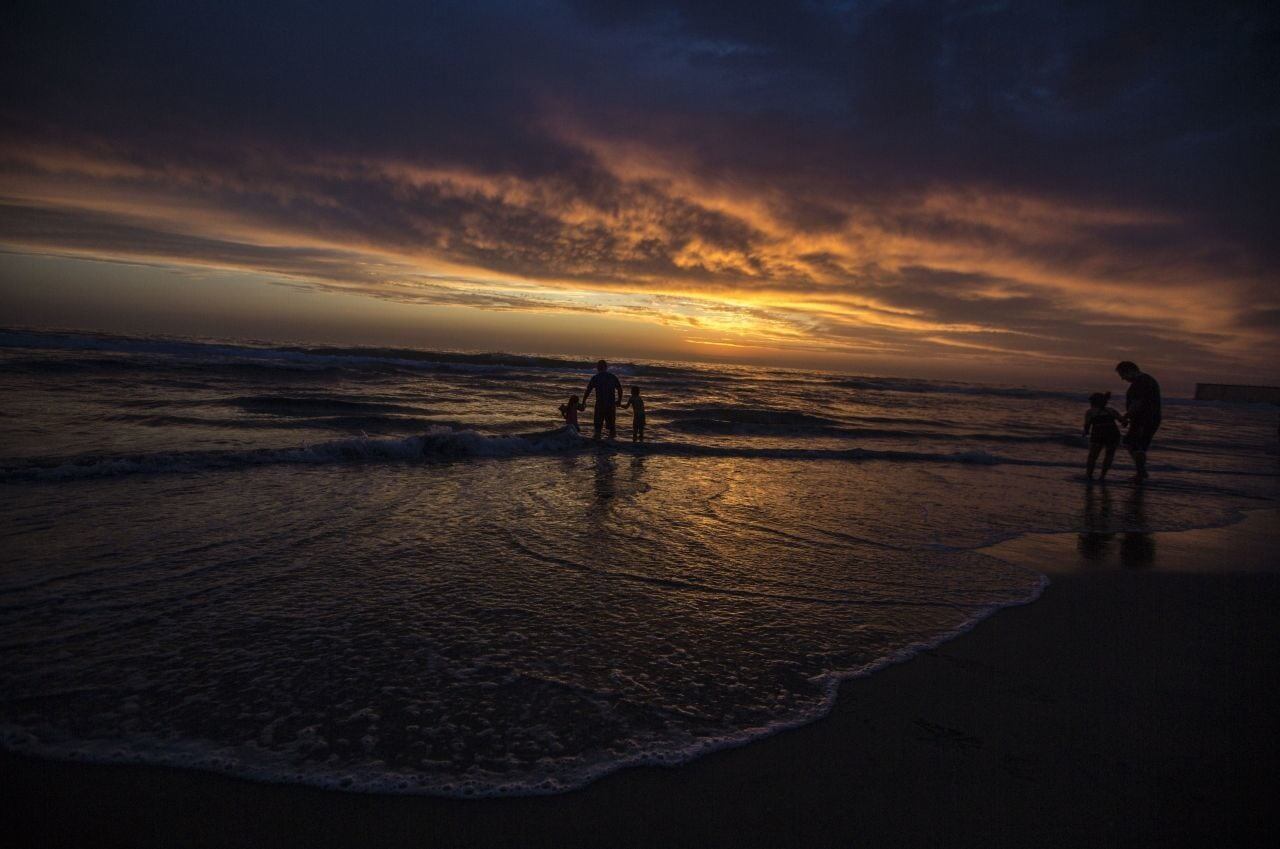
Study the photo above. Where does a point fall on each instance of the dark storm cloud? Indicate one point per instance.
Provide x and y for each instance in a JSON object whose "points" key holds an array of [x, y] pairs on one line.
{"points": [[1097, 97]]}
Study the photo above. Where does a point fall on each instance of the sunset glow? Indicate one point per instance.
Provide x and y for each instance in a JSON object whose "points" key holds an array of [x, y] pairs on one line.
{"points": [[797, 188]]}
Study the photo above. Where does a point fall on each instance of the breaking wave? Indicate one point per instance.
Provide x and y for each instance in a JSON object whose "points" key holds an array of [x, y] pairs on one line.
{"points": [[348, 424], [878, 384], [795, 424], [444, 443], [103, 352], [294, 357]]}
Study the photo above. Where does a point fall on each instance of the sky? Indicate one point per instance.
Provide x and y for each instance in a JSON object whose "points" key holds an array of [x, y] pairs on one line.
{"points": [[1010, 191]]}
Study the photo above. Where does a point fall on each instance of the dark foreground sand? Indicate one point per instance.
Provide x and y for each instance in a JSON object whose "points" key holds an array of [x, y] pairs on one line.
{"points": [[1134, 704]]}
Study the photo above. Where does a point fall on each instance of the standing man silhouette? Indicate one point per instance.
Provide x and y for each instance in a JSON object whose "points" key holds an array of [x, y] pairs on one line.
{"points": [[1142, 409], [608, 391]]}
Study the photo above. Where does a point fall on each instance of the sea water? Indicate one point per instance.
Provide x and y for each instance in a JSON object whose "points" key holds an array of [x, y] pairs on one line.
{"points": [[393, 570]]}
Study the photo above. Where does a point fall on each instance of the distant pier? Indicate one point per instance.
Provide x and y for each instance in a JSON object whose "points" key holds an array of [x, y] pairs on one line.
{"points": [[1236, 392]]}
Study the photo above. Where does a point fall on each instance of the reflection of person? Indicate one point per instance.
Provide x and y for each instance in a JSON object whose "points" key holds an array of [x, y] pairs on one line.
{"points": [[606, 485], [636, 403], [1095, 539], [1142, 411], [1102, 426], [608, 391], [1138, 545], [570, 412]]}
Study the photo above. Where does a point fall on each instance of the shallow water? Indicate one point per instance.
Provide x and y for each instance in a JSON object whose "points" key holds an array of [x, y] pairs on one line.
{"points": [[390, 570]]}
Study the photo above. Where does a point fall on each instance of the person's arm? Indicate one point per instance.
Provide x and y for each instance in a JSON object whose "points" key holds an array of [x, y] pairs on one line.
{"points": [[617, 384], [1088, 421], [591, 384]]}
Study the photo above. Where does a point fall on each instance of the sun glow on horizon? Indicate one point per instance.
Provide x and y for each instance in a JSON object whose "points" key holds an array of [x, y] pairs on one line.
{"points": [[749, 199]]}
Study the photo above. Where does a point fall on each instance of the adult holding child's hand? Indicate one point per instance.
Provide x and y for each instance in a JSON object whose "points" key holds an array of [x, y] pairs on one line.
{"points": [[1142, 413], [608, 391]]}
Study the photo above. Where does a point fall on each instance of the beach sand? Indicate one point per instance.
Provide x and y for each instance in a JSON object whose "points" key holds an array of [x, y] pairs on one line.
{"points": [[1134, 704]]}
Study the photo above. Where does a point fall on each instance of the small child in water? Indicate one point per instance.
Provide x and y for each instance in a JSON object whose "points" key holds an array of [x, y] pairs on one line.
{"points": [[636, 403], [1102, 426], [570, 412]]}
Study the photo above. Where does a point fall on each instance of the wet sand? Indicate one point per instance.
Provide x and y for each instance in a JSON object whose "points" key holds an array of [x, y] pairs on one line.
{"points": [[1134, 704]]}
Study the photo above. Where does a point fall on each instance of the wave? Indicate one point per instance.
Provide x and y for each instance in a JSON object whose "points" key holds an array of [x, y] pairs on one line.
{"points": [[210, 354], [725, 427], [879, 384], [350, 424], [443, 443], [437, 442], [281, 405], [550, 776], [749, 415], [280, 356], [108, 365], [730, 427]]}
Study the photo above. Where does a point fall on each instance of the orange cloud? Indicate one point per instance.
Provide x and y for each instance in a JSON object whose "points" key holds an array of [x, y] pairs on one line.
{"points": [[647, 239]]}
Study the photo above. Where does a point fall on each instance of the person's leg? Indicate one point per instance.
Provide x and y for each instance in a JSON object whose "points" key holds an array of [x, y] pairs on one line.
{"points": [[1095, 448], [1133, 444], [1138, 448], [1107, 458], [1148, 434], [612, 418], [598, 420]]}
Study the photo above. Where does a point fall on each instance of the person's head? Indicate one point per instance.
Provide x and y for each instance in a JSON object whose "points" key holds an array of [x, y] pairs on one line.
{"points": [[1127, 370], [602, 366], [1098, 400], [635, 390]]}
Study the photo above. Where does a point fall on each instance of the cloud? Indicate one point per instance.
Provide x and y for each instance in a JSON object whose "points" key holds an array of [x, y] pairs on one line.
{"points": [[1024, 179]]}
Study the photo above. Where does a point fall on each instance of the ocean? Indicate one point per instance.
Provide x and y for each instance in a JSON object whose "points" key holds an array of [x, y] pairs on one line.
{"points": [[394, 571]]}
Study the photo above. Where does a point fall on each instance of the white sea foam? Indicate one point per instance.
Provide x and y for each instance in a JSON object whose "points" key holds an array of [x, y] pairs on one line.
{"points": [[264, 758]]}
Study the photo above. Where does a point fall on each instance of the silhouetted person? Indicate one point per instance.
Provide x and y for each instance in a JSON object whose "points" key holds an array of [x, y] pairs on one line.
{"points": [[570, 412], [1142, 412], [636, 403], [1102, 426], [608, 391]]}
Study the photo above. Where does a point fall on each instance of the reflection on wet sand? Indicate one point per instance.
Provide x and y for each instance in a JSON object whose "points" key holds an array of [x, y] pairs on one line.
{"points": [[605, 478], [1137, 548]]}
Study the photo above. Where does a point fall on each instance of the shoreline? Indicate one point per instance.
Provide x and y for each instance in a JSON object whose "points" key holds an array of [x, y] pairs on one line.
{"points": [[1133, 702]]}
